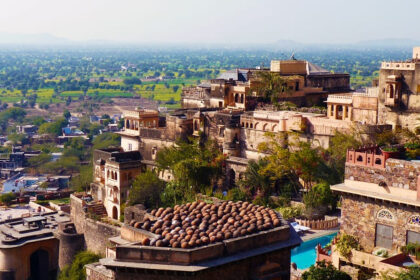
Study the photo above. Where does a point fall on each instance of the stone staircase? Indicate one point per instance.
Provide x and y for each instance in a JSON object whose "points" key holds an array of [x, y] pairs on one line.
{"points": [[97, 209]]}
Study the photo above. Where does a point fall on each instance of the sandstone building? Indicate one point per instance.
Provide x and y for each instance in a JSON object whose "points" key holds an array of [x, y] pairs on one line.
{"points": [[307, 85], [380, 206], [399, 92], [35, 246]]}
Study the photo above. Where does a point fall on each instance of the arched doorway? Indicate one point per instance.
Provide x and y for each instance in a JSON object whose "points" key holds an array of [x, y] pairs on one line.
{"points": [[232, 178], [39, 265], [115, 213]]}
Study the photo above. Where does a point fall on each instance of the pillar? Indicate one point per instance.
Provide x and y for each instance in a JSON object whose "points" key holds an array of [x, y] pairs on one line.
{"points": [[344, 112], [329, 110], [335, 111], [350, 113]]}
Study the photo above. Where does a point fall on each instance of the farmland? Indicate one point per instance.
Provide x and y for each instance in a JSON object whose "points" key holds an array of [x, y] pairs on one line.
{"points": [[42, 77]]}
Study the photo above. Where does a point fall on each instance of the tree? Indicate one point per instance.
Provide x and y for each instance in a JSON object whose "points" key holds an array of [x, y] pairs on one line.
{"points": [[324, 271], [254, 181], [39, 160], [105, 140], [66, 114], [317, 200], [288, 157], [413, 273], [76, 271], [175, 88], [270, 85], [54, 128], [81, 182], [146, 190], [76, 147], [7, 198], [17, 138], [195, 164]]}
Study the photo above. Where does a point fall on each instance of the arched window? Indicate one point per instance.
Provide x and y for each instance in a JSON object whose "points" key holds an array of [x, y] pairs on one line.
{"points": [[242, 98], [385, 214], [264, 127], [414, 220], [251, 125], [236, 98]]}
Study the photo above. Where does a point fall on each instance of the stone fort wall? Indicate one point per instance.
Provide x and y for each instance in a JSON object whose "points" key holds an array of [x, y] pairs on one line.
{"points": [[96, 233]]}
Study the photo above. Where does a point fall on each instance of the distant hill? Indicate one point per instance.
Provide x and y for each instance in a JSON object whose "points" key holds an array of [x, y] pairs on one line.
{"points": [[31, 39], [390, 43]]}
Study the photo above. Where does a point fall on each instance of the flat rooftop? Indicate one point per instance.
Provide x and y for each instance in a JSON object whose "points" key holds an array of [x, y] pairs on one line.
{"points": [[29, 227], [375, 195]]}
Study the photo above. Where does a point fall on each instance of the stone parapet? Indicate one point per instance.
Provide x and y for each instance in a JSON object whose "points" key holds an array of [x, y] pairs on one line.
{"points": [[189, 256], [318, 224]]}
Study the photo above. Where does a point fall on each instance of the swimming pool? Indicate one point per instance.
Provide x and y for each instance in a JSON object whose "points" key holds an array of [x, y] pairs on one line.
{"points": [[305, 255]]}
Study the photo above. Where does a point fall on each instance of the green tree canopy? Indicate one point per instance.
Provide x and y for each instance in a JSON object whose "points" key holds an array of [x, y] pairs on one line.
{"points": [[324, 271], [105, 140], [292, 159], [7, 198], [270, 85], [195, 164], [66, 114], [318, 199], [39, 160], [413, 273], [76, 271], [146, 190], [54, 128]]}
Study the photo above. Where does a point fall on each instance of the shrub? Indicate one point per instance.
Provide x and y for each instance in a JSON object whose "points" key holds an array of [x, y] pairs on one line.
{"points": [[146, 190], [324, 271], [236, 194], [7, 198], [346, 243], [290, 212], [76, 270]]}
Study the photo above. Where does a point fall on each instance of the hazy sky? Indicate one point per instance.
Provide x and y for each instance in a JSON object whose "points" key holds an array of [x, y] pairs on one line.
{"points": [[214, 21]]}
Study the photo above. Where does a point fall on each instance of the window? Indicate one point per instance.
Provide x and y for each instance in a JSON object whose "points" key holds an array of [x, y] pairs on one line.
{"points": [[385, 215], [130, 147], [384, 236], [414, 220], [413, 237]]}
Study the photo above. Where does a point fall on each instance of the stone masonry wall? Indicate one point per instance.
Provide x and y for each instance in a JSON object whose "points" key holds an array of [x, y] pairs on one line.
{"points": [[274, 265], [397, 173], [360, 215], [96, 233]]}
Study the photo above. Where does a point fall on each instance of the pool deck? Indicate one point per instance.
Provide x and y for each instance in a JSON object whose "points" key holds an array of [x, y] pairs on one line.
{"points": [[312, 234]]}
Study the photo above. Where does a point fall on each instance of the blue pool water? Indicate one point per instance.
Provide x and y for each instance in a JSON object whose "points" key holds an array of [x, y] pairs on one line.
{"points": [[305, 255]]}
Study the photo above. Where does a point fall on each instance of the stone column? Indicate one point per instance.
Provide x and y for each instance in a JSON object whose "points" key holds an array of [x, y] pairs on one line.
{"points": [[329, 110], [335, 111], [350, 113], [344, 112]]}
